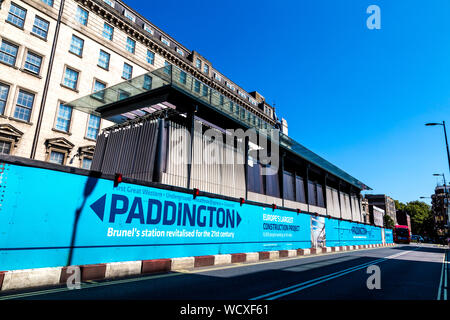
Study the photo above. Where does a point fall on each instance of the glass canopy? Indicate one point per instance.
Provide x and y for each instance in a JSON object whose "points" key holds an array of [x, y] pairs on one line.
{"points": [[191, 86]]}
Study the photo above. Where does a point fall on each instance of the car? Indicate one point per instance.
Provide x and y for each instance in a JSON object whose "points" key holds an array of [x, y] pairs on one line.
{"points": [[417, 238]]}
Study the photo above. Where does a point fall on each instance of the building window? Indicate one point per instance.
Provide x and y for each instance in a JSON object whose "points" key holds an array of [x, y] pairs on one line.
{"points": [[131, 45], [76, 46], [150, 57], [167, 67], [180, 51], [70, 78], [8, 53], [217, 77], [123, 95], [86, 163], [99, 88], [109, 3], [5, 147], [198, 63], [103, 60], [165, 41], [24, 105], [129, 15], [206, 68], [4, 91], [148, 29], [204, 91], [40, 27], [16, 15], [127, 71], [82, 16], [93, 127], [147, 85], [57, 157], [108, 31], [48, 2], [33, 63], [183, 77], [197, 86], [63, 118]]}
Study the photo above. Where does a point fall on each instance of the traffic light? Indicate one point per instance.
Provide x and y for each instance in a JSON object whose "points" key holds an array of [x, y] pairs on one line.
{"points": [[195, 192], [117, 179]]}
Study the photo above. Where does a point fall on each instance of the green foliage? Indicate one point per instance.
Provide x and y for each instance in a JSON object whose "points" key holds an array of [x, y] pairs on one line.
{"points": [[388, 222]]}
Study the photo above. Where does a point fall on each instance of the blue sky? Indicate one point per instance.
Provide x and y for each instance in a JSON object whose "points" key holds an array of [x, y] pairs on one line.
{"points": [[357, 97]]}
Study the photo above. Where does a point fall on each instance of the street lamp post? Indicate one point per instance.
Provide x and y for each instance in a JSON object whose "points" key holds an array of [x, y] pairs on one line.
{"points": [[448, 158], [445, 135]]}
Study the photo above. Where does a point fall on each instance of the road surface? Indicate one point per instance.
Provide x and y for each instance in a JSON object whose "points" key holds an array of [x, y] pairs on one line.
{"points": [[417, 272]]}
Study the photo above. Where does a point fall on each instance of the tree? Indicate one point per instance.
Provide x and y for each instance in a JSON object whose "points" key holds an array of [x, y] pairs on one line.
{"points": [[422, 222], [388, 222]]}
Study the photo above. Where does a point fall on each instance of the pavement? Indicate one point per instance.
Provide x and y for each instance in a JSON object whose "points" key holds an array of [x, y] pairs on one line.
{"points": [[402, 272]]}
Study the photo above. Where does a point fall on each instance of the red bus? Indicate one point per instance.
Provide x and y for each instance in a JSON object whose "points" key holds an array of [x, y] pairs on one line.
{"points": [[402, 234]]}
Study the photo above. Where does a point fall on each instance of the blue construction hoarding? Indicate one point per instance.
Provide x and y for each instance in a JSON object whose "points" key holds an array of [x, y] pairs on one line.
{"points": [[48, 215]]}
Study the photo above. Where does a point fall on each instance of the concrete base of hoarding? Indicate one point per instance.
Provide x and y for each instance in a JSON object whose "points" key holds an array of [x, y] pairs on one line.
{"points": [[45, 277]]}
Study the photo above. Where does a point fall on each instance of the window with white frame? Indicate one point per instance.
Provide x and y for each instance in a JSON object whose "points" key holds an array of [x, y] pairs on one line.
{"points": [[16, 15], [24, 105], [8, 53], [150, 57], [165, 41], [48, 2], [81, 16], [109, 3], [4, 91], [131, 45], [127, 72], [33, 63], [57, 157], [5, 147], [148, 29], [129, 15], [108, 31], [63, 118], [76, 45], [103, 59], [71, 78], [98, 91], [93, 127], [40, 27]]}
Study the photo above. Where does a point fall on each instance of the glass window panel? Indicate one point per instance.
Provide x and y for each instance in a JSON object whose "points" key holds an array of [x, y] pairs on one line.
{"points": [[63, 118], [8, 53], [87, 162], [150, 57], [108, 31], [127, 71], [16, 15], [5, 147], [103, 59], [4, 91], [33, 63], [49, 2], [24, 105], [131, 45], [56, 157], [82, 16], [76, 46], [93, 127], [71, 78], [40, 27]]}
